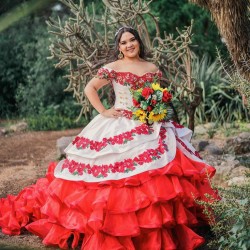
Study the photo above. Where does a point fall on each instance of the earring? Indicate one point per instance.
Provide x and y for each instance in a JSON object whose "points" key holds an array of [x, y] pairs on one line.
{"points": [[120, 55]]}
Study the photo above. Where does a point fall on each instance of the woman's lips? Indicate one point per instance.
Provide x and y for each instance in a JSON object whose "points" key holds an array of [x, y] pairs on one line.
{"points": [[130, 50]]}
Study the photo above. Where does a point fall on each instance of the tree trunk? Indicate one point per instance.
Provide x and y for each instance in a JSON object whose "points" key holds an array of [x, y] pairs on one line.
{"points": [[191, 114], [232, 20]]}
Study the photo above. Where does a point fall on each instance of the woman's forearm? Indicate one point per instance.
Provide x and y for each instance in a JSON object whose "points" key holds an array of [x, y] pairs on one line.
{"points": [[94, 99]]}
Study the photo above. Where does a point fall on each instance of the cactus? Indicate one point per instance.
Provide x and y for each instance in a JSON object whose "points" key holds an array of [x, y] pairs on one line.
{"points": [[85, 42]]}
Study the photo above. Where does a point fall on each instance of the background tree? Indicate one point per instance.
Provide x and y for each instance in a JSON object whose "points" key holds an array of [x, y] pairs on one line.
{"points": [[85, 42], [30, 86], [233, 22], [174, 14]]}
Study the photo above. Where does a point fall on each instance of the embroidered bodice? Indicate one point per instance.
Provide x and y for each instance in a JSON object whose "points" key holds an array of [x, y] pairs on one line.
{"points": [[123, 82], [118, 148]]}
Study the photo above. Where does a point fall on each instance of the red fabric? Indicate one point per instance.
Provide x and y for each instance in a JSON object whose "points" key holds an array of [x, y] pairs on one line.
{"points": [[151, 210]]}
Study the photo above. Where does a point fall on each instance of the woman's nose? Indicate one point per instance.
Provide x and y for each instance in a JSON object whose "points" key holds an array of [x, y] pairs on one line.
{"points": [[129, 44]]}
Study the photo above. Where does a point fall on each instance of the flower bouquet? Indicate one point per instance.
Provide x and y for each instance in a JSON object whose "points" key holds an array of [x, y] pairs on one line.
{"points": [[151, 104]]}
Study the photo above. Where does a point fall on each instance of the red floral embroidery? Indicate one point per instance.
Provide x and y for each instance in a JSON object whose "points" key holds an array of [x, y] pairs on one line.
{"points": [[124, 166], [104, 73], [163, 134], [127, 113], [128, 78], [177, 125], [188, 149], [83, 142]]}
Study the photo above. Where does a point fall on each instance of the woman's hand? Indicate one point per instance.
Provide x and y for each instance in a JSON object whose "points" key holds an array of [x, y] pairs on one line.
{"points": [[112, 113]]}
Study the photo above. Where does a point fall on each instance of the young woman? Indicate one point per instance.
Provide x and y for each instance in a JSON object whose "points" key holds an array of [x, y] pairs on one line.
{"points": [[124, 184]]}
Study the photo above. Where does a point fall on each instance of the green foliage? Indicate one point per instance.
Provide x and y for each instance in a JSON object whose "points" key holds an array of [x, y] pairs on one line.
{"points": [[56, 117], [11, 55], [221, 102], [29, 83], [30, 86], [230, 219], [42, 85], [179, 13]]}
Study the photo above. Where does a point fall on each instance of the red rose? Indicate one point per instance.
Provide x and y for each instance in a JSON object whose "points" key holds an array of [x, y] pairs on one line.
{"points": [[166, 96], [136, 104], [146, 92], [149, 108], [153, 102]]}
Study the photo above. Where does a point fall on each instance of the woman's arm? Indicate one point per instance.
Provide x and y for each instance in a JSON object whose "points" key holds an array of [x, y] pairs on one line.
{"points": [[91, 92]]}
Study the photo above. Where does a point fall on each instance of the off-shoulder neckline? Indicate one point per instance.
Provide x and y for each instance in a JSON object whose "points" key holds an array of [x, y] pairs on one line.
{"points": [[128, 72]]}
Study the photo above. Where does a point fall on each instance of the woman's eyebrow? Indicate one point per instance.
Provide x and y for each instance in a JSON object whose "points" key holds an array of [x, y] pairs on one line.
{"points": [[128, 39]]}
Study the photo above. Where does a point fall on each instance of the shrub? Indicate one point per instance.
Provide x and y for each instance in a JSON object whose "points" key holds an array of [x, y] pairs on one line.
{"points": [[56, 117], [230, 219], [221, 102], [42, 84]]}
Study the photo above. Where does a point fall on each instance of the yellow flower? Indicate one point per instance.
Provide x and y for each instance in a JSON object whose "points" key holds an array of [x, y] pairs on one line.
{"points": [[141, 114], [156, 117], [156, 86]]}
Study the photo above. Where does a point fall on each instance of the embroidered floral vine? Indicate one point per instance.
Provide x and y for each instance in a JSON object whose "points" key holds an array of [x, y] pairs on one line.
{"points": [[188, 149], [123, 138], [128, 78], [177, 125], [101, 171]]}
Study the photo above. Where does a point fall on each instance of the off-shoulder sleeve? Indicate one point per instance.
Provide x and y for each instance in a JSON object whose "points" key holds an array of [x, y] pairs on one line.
{"points": [[105, 73]]}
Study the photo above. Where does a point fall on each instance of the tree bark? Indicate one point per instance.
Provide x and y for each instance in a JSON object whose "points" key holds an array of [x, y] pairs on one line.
{"points": [[231, 18]]}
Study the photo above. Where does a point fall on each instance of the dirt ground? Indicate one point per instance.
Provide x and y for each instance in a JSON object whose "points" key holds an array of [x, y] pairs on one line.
{"points": [[24, 158]]}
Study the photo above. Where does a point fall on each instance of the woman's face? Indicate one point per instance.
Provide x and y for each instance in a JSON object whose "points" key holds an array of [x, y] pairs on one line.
{"points": [[128, 45]]}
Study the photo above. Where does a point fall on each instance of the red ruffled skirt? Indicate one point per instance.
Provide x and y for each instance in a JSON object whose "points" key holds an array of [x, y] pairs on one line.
{"points": [[152, 210]]}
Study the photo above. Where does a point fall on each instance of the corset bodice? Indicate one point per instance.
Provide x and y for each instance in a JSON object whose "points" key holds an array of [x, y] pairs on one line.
{"points": [[123, 96], [124, 82]]}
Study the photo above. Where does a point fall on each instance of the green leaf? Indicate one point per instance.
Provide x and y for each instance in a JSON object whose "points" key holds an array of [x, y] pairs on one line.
{"points": [[159, 95]]}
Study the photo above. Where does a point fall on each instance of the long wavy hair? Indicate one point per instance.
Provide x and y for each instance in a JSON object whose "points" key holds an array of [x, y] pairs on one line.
{"points": [[118, 35]]}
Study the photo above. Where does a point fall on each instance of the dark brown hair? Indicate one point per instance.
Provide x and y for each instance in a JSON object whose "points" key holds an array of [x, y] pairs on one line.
{"points": [[131, 30]]}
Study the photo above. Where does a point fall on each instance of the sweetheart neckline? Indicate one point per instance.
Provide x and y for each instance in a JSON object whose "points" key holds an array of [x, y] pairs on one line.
{"points": [[128, 72]]}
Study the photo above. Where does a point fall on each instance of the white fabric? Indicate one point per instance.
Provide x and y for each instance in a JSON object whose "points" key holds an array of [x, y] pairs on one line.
{"points": [[101, 127]]}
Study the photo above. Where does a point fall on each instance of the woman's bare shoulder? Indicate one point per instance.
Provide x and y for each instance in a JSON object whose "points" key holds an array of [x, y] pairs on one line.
{"points": [[113, 65], [151, 67]]}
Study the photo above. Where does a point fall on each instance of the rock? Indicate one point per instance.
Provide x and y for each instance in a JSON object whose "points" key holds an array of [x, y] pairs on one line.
{"points": [[226, 167], [230, 158], [213, 149], [244, 135], [244, 160], [61, 144], [200, 130], [3, 131], [202, 145], [209, 125], [238, 181], [239, 171], [21, 126], [239, 144]]}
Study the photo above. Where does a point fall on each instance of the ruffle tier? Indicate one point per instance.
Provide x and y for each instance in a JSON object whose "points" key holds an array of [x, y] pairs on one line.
{"points": [[152, 210]]}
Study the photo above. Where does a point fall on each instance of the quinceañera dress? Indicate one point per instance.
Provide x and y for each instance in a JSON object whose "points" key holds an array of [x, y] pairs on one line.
{"points": [[124, 185]]}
